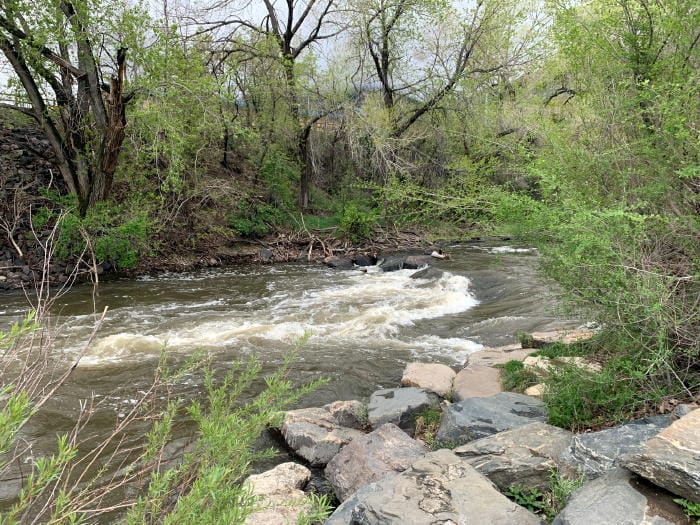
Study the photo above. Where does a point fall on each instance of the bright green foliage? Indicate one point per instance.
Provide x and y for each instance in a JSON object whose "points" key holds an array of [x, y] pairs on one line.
{"points": [[691, 509], [114, 232], [532, 499], [549, 503], [224, 451], [357, 224], [321, 508]]}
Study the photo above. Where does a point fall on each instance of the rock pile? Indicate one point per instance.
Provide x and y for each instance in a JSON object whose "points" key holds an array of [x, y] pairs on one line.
{"points": [[381, 474]]}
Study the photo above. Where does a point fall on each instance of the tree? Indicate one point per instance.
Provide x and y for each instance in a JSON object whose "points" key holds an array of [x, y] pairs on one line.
{"points": [[70, 58], [293, 27]]}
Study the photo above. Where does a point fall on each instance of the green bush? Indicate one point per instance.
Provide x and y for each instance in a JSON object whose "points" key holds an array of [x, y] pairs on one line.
{"points": [[578, 400], [515, 377], [254, 219], [357, 224], [117, 234]]}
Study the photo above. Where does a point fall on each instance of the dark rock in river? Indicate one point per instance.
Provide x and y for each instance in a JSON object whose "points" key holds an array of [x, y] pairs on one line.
{"points": [[478, 417], [392, 264], [365, 260], [428, 273], [399, 406], [339, 263], [370, 457], [414, 262]]}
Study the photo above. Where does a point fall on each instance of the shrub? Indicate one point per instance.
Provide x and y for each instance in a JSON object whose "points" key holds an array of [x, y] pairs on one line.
{"points": [[254, 219], [357, 224]]}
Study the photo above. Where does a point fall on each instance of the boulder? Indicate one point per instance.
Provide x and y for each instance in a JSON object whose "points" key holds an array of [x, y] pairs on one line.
{"points": [[281, 499], [497, 356], [619, 498], [399, 406], [439, 488], [540, 339], [522, 456], [543, 364], [370, 457], [428, 273], [338, 263], [392, 264], [429, 376], [671, 459], [476, 381], [265, 254], [365, 260], [318, 434], [414, 262], [478, 417], [597, 452]]}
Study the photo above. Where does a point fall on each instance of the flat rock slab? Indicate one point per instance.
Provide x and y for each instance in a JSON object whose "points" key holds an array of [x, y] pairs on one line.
{"points": [[477, 381], [370, 457], [498, 356], [399, 406], [433, 377], [597, 452], [671, 459], [318, 434], [281, 499], [437, 489], [522, 456], [620, 498], [479, 417], [540, 339]]}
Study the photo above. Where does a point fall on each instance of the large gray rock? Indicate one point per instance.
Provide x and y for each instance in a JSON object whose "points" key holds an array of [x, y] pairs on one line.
{"points": [[524, 456], [619, 498], [479, 417], [671, 459], [399, 406], [477, 381], [280, 498], [370, 457], [434, 377], [392, 264], [318, 434], [498, 356], [437, 489], [597, 452], [567, 337], [414, 262], [339, 263]]}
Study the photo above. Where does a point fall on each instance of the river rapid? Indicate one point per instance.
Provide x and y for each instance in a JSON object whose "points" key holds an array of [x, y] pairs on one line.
{"points": [[362, 326]]}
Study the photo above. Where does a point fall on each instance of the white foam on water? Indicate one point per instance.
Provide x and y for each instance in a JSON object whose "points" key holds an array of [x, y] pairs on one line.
{"points": [[510, 249], [355, 307]]}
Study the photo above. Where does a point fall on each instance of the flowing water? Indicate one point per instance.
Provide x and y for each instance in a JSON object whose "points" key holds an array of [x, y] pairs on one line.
{"points": [[362, 327]]}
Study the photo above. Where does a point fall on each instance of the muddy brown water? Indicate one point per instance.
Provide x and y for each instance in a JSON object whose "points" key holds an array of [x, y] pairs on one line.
{"points": [[362, 327]]}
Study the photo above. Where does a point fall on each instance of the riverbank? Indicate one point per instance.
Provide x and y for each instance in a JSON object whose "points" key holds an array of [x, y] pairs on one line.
{"points": [[453, 446]]}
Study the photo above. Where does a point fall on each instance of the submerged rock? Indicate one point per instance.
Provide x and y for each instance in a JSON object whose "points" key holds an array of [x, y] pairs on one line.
{"points": [[597, 452], [370, 457], [318, 434], [440, 488], [478, 417], [619, 498], [434, 377], [400, 406], [671, 459], [524, 456]]}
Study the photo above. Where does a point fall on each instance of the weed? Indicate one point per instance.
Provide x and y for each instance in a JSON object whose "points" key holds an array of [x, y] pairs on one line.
{"points": [[320, 507], [427, 424], [532, 499], [515, 377], [691, 509]]}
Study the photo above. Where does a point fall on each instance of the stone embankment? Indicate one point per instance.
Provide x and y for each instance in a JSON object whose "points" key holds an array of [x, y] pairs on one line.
{"points": [[448, 446]]}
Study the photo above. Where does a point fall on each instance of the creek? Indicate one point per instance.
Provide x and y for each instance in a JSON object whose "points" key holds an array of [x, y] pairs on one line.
{"points": [[363, 327]]}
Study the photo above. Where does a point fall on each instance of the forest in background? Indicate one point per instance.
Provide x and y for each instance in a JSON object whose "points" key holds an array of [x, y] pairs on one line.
{"points": [[573, 125]]}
